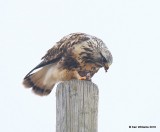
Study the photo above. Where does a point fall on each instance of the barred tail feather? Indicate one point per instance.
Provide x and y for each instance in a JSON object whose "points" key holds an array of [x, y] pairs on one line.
{"points": [[36, 81]]}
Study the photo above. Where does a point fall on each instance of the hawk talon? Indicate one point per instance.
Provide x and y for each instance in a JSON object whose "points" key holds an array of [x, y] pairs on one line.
{"points": [[82, 78], [87, 77]]}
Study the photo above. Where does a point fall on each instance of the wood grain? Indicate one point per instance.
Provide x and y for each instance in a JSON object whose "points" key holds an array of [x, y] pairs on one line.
{"points": [[77, 106]]}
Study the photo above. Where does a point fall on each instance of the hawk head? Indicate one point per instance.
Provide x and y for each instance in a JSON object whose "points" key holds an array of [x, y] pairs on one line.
{"points": [[107, 58]]}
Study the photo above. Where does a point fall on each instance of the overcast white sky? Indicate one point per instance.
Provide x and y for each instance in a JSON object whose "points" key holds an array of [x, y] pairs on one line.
{"points": [[129, 92]]}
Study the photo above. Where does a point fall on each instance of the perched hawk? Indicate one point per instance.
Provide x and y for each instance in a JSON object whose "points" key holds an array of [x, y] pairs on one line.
{"points": [[75, 56]]}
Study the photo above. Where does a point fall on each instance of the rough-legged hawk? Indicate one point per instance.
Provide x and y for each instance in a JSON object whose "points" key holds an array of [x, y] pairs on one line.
{"points": [[75, 56]]}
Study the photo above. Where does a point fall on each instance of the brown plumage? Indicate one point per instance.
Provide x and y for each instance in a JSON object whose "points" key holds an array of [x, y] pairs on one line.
{"points": [[75, 56]]}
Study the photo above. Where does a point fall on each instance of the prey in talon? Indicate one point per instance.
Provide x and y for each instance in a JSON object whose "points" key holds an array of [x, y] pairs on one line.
{"points": [[88, 76], [75, 56]]}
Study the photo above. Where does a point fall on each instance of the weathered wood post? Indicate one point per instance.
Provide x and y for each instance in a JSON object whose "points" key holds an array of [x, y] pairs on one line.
{"points": [[77, 106]]}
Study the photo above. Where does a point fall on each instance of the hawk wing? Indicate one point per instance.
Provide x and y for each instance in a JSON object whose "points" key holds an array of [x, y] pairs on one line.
{"points": [[61, 48]]}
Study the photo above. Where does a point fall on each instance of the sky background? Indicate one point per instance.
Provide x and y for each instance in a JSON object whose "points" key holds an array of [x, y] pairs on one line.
{"points": [[129, 92]]}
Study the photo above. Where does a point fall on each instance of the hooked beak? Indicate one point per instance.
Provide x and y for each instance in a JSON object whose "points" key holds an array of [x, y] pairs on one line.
{"points": [[106, 67]]}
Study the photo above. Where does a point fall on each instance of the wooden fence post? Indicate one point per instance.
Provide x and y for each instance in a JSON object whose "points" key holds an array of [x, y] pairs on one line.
{"points": [[77, 106]]}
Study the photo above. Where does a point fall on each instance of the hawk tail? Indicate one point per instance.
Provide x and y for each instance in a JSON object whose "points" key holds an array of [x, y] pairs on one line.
{"points": [[36, 81]]}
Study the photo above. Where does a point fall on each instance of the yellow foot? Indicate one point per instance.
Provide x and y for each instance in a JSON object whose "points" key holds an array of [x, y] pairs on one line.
{"points": [[82, 78]]}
